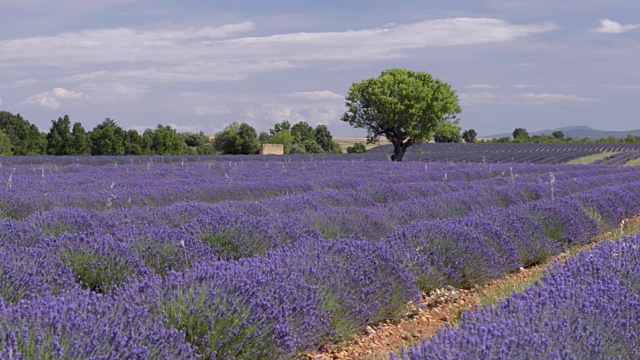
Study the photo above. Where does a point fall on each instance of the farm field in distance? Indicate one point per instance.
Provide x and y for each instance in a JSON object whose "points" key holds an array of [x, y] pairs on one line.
{"points": [[599, 154], [267, 257]]}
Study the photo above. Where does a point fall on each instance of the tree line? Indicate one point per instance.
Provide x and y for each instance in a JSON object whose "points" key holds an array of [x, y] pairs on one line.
{"points": [[19, 137], [521, 135]]}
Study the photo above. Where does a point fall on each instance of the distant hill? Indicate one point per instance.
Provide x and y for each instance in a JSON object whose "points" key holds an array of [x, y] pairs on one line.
{"points": [[576, 132]]}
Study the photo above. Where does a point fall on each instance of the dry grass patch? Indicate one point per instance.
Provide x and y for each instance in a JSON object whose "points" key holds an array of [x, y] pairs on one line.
{"points": [[590, 159], [635, 162]]}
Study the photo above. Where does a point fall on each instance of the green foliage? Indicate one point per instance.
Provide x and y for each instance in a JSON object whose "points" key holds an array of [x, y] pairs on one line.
{"points": [[58, 138], [470, 136], [196, 312], [237, 139], [296, 149], [5, 145], [300, 138], [303, 132], [164, 141], [520, 134], [107, 138], [312, 147], [283, 126], [557, 134], [357, 148], [285, 138], [134, 143], [448, 132], [196, 144], [404, 106], [97, 272], [79, 141], [264, 138], [325, 140], [25, 137]]}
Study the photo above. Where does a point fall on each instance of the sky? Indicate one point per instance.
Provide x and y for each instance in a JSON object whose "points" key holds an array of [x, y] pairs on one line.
{"points": [[200, 65]]}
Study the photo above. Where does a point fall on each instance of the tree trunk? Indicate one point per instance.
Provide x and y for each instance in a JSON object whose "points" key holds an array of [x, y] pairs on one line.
{"points": [[398, 151]]}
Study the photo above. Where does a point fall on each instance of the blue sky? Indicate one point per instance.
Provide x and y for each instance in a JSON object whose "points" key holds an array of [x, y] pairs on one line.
{"points": [[199, 65]]}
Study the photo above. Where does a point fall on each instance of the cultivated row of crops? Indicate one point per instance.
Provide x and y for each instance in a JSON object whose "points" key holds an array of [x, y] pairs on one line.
{"points": [[586, 309], [266, 259], [515, 153]]}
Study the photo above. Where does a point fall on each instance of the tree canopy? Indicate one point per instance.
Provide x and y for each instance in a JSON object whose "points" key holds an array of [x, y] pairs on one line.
{"points": [[5, 145], [301, 138], [470, 136], [520, 134], [404, 106], [237, 139], [25, 137], [448, 132]]}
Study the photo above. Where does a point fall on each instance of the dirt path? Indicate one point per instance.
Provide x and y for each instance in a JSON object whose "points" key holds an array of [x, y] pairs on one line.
{"points": [[423, 320]]}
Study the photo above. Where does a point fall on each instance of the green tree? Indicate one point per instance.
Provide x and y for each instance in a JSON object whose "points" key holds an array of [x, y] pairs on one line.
{"points": [[357, 148], [520, 134], [196, 144], [470, 136], [236, 139], [557, 134], [25, 137], [5, 145], [303, 132], [107, 138], [59, 137], [264, 138], [133, 143], [164, 141], [296, 149], [283, 126], [448, 132], [312, 147], [285, 138], [79, 141], [325, 140], [404, 106]]}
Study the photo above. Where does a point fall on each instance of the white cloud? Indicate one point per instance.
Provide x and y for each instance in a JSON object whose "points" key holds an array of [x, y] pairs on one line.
{"points": [[625, 86], [106, 92], [477, 98], [44, 100], [60, 93], [547, 98], [19, 83], [217, 54], [51, 99], [262, 111], [325, 95], [612, 27], [481, 86], [524, 86], [469, 99]]}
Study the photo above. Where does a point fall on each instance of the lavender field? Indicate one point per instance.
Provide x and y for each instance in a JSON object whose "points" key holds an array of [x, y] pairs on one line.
{"points": [[251, 258], [587, 309]]}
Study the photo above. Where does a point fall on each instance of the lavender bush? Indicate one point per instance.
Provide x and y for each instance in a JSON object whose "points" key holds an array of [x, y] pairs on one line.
{"points": [[253, 257], [86, 326], [586, 309]]}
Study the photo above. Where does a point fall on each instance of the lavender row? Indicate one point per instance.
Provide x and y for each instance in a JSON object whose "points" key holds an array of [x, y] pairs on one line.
{"points": [[586, 309], [234, 230], [290, 300], [32, 188], [162, 265]]}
